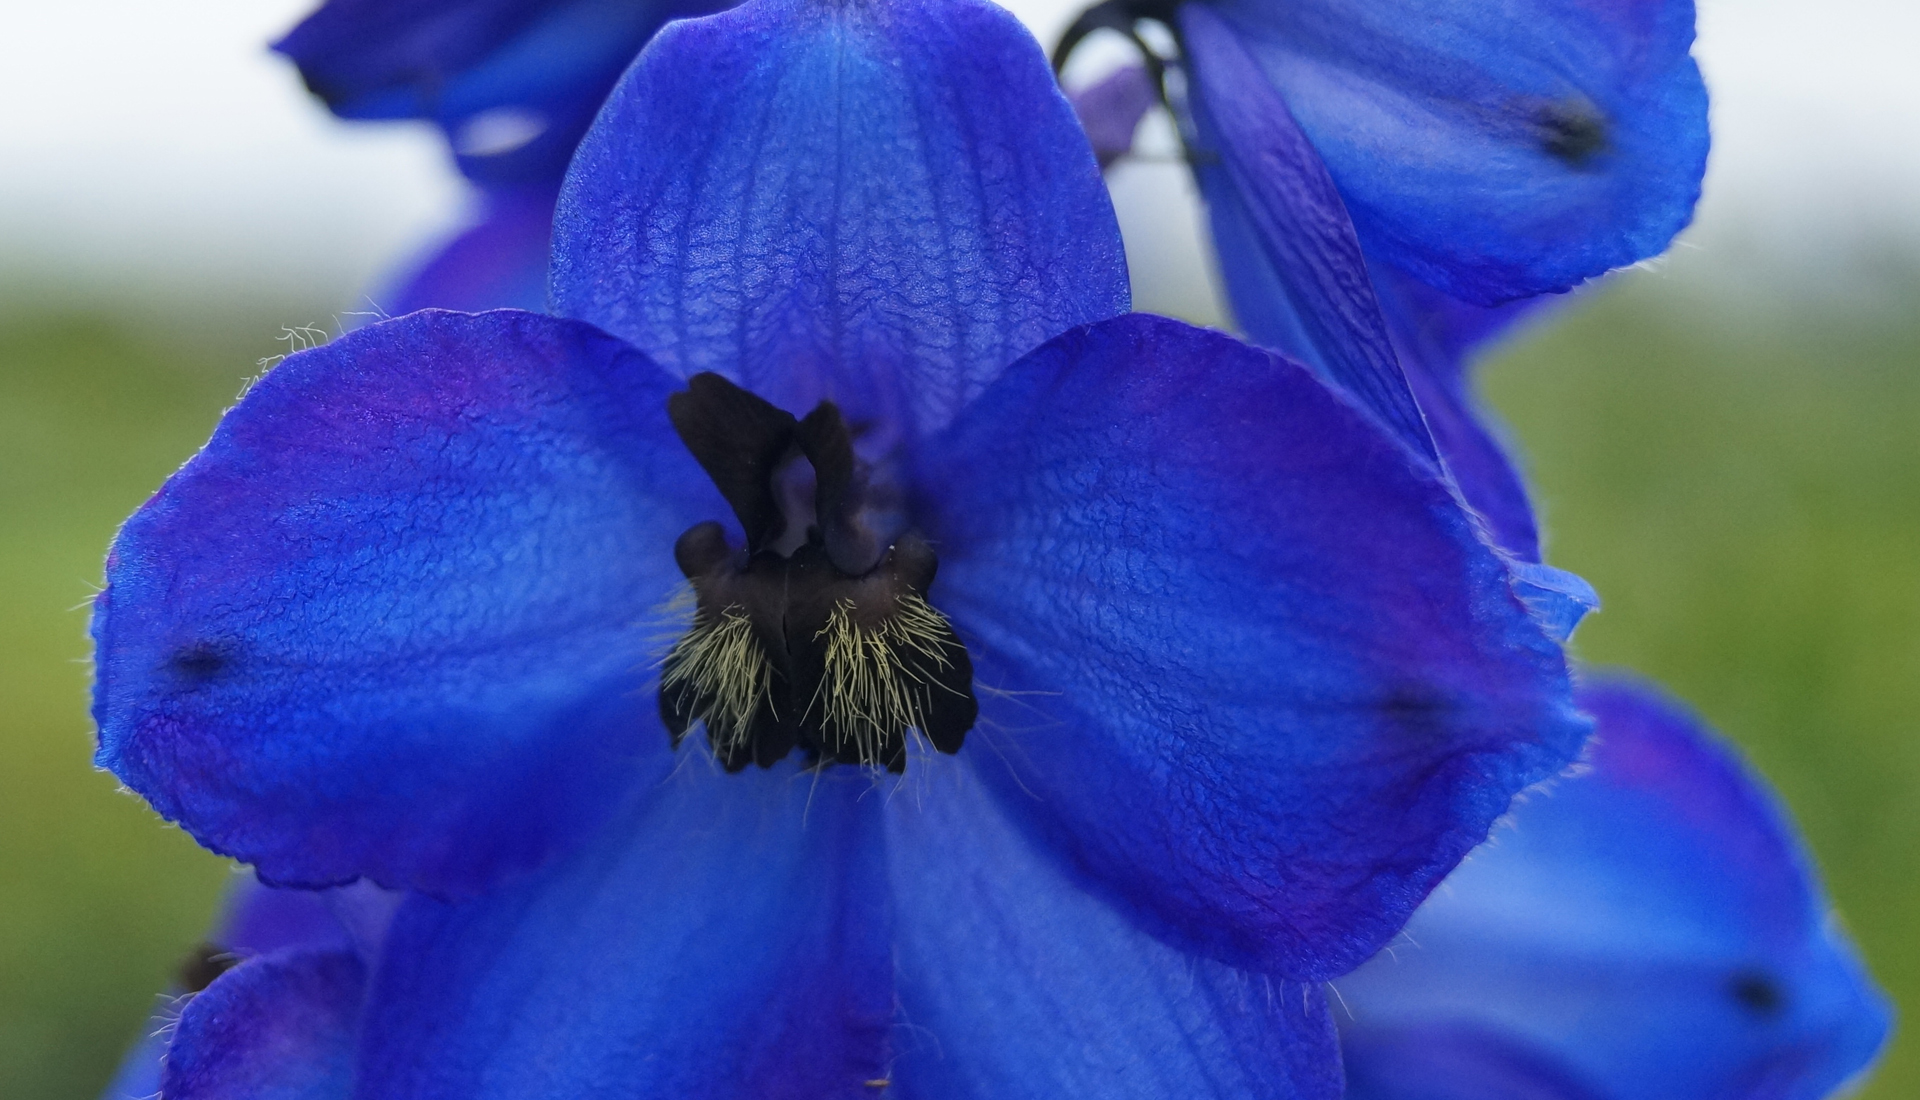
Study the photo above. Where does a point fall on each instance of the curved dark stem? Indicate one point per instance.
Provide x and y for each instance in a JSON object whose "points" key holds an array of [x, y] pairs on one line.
{"points": [[1123, 16]]}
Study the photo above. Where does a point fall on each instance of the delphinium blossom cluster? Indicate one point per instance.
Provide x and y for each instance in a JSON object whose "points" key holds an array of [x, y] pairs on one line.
{"points": [[824, 644]]}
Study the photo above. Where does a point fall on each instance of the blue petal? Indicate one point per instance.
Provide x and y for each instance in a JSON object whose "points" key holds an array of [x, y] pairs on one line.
{"points": [[261, 919], [1016, 982], [500, 262], [885, 204], [1453, 1064], [1651, 927], [1436, 336], [1557, 600], [730, 940], [1249, 664], [279, 1027], [255, 920], [488, 71], [393, 620], [1293, 266], [1494, 150]]}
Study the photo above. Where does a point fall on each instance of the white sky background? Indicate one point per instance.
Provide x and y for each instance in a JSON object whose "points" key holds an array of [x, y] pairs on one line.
{"points": [[152, 147]]}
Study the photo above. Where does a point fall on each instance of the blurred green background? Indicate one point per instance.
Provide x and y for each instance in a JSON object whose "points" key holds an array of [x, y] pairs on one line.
{"points": [[1742, 487]]}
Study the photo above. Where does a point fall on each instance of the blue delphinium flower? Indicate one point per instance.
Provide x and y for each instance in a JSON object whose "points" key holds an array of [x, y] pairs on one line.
{"points": [[1493, 151], [1248, 680], [1649, 930], [513, 83]]}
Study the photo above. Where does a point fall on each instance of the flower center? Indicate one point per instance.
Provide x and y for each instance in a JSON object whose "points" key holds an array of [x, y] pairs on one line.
{"points": [[818, 634]]}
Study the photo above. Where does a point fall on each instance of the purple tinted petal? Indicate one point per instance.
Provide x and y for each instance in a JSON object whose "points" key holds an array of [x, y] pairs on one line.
{"points": [[884, 204], [499, 262], [1110, 110], [513, 82], [729, 940], [1300, 284], [1434, 334], [1249, 666], [1651, 926], [255, 920], [394, 619], [279, 1027], [1495, 150], [1016, 981], [260, 919]]}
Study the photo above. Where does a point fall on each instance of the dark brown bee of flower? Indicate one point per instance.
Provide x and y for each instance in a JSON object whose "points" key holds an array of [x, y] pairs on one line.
{"points": [[817, 635]]}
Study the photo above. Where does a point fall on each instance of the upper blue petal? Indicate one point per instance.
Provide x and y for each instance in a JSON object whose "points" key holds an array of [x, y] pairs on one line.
{"points": [[1494, 150], [885, 204], [394, 619], [1292, 263], [499, 262], [1651, 927], [1248, 663], [513, 82], [279, 1027], [1016, 982], [729, 940]]}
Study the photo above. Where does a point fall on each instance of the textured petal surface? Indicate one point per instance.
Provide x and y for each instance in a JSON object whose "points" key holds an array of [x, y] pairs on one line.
{"points": [[1017, 982], [1248, 666], [885, 204], [1651, 927], [1292, 263], [728, 941], [513, 82], [499, 262], [1495, 149], [396, 618], [279, 1027]]}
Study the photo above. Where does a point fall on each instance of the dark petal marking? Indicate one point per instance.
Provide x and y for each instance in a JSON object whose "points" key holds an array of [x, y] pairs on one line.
{"points": [[199, 662], [1572, 131], [738, 438], [1757, 992]]}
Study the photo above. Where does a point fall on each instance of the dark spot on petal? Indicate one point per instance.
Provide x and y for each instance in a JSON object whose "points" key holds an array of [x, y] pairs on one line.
{"points": [[1417, 709], [198, 663], [1572, 131], [202, 965], [1757, 992]]}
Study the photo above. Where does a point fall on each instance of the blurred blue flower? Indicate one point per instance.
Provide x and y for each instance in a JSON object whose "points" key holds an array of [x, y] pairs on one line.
{"points": [[1649, 930], [1248, 679], [1494, 151], [513, 83]]}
